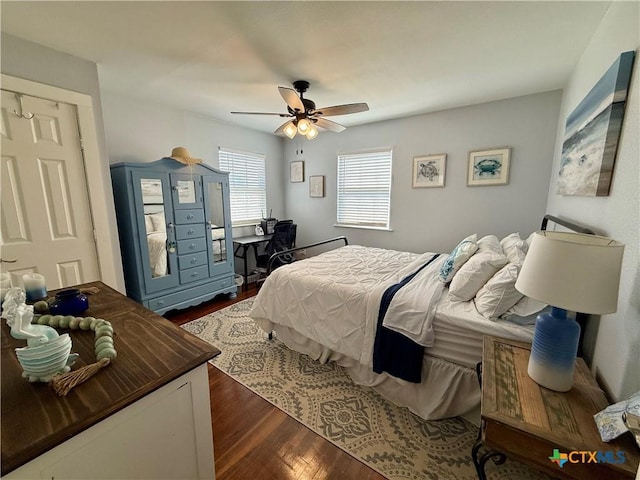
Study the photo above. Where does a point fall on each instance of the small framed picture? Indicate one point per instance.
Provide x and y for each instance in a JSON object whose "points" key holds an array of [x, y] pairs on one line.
{"points": [[429, 171], [316, 186], [489, 167], [296, 171]]}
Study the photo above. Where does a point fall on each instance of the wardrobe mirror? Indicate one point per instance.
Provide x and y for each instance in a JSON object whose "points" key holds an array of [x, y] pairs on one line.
{"points": [[216, 220], [186, 191], [155, 225]]}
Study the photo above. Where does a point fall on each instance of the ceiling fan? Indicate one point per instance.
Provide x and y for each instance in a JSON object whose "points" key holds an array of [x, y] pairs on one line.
{"points": [[304, 114]]}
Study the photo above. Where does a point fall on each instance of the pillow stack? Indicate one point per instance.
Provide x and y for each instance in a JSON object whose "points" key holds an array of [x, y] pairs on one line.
{"points": [[486, 271], [499, 294], [483, 265]]}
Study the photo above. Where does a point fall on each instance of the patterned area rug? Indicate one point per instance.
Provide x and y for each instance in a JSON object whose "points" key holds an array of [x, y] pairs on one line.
{"points": [[390, 439]]}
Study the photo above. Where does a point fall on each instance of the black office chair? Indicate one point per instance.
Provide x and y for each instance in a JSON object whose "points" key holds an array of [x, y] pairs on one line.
{"points": [[284, 238]]}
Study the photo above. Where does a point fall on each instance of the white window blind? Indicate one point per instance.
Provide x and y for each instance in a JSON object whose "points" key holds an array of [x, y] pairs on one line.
{"points": [[247, 184], [364, 188]]}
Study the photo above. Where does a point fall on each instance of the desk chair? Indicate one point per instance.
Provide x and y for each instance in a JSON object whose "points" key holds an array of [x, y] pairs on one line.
{"points": [[284, 238]]}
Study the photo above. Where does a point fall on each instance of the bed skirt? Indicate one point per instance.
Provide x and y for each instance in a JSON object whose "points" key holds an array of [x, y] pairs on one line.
{"points": [[446, 390]]}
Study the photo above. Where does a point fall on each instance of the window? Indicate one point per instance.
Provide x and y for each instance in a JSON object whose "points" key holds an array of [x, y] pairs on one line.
{"points": [[364, 189], [247, 185]]}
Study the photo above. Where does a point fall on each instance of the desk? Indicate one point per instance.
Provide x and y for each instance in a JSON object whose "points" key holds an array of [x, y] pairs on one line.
{"points": [[244, 243], [146, 415], [522, 420]]}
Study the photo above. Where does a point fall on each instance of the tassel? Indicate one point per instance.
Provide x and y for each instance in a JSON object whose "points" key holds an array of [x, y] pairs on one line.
{"points": [[62, 384]]}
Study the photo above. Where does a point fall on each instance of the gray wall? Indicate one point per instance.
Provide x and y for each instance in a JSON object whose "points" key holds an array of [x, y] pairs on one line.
{"points": [[617, 349], [435, 219]]}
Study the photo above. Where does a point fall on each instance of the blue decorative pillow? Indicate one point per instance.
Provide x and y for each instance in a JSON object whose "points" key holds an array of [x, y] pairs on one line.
{"points": [[463, 252]]}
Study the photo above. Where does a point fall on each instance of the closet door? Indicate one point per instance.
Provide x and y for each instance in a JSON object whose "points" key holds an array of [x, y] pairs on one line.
{"points": [[156, 230], [46, 223], [218, 220]]}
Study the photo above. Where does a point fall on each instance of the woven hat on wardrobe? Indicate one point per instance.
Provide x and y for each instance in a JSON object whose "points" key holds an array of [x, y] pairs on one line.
{"points": [[182, 155]]}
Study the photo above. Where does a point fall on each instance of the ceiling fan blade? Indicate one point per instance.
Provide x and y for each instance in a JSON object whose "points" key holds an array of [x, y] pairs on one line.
{"points": [[291, 97], [280, 129], [328, 125], [341, 109], [263, 113]]}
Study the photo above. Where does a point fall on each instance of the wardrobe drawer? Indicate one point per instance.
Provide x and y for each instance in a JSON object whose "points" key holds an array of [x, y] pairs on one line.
{"points": [[189, 231], [188, 216], [192, 260], [186, 296], [194, 274], [192, 246]]}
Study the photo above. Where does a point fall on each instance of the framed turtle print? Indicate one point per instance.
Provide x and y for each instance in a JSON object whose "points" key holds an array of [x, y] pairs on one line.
{"points": [[428, 171], [489, 167]]}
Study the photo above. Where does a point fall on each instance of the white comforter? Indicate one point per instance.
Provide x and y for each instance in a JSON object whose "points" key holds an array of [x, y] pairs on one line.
{"points": [[334, 298]]}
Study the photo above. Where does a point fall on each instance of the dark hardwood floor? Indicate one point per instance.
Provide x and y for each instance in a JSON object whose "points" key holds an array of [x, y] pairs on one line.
{"points": [[255, 440]]}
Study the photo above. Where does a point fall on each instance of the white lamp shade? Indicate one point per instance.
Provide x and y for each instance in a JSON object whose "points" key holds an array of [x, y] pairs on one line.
{"points": [[312, 132], [573, 271], [290, 130], [303, 126]]}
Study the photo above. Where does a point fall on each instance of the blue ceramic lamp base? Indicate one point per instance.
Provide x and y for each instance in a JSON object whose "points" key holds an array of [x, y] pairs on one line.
{"points": [[554, 350]]}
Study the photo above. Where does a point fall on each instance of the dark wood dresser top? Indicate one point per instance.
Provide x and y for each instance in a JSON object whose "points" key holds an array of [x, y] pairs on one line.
{"points": [[152, 351]]}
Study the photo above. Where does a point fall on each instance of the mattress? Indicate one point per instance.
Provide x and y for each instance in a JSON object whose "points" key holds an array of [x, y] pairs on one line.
{"points": [[459, 330]]}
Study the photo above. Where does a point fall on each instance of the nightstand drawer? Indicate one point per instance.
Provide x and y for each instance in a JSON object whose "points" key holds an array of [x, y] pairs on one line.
{"points": [[192, 246], [192, 260]]}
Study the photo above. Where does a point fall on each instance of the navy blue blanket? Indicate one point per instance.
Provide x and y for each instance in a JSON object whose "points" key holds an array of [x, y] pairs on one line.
{"points": [[392, 351]]}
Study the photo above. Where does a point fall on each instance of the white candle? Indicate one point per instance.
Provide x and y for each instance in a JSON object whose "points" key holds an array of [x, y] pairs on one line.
{"points": [[34, 286]]}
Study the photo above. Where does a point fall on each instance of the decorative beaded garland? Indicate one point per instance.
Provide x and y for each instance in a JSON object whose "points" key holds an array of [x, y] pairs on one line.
{"points": [[104, 347]]}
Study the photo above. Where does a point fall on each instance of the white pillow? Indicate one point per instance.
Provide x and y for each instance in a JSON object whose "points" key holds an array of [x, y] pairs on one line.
{"points": [[483, 265], [526, 306], [499, 294], [458, 256], [159, 223], [148, 224], [514, 248]]}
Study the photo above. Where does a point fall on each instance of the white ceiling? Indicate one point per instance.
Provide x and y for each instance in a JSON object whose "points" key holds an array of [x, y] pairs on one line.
{"points": [[402, 58]]}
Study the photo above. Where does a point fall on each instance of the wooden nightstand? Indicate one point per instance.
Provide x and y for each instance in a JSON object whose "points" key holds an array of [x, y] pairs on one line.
{"points": [[527, 422]]}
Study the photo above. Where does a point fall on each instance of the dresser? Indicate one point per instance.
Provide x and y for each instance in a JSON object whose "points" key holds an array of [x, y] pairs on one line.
{"points": [[175, 233], [146, 415]]}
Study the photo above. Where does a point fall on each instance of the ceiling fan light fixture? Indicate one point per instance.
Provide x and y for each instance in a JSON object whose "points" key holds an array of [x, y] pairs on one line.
{"points": [[312, 133], [290, 129], [303, 126]]}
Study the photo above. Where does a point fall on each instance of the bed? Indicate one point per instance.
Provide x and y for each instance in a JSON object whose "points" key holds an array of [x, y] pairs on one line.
{"points": [[408, 325]]}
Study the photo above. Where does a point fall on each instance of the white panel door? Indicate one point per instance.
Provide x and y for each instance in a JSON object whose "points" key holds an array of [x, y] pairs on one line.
{"points": [[46, 222]]}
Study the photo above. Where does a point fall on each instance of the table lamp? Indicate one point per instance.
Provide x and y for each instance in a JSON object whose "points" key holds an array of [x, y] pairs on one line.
{"points": [[568, 271]]}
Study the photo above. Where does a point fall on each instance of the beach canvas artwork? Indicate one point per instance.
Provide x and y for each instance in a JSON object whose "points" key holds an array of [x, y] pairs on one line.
{"points": [[592, 132]]}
